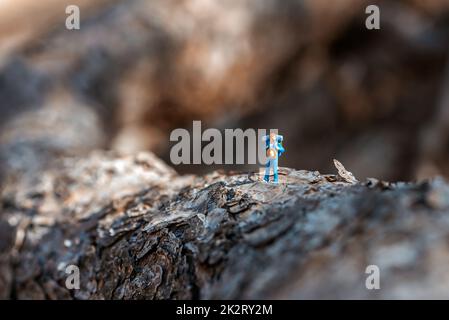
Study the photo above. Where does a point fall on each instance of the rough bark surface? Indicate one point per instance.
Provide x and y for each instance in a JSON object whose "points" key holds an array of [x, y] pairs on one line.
{"points": [[137, 230]]}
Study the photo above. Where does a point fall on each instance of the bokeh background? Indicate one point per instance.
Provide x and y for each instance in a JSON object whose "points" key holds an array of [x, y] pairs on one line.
{"points": [[376, 100]]}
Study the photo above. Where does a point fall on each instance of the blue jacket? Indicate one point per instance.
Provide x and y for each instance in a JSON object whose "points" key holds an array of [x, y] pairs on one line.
{"points": [[278, 146]]}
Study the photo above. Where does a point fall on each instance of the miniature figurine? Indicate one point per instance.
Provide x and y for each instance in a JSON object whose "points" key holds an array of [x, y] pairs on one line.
{"points": [[274, 149]]}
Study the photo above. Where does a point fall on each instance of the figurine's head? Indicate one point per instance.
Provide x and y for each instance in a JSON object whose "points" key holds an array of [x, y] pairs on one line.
{"points": [[273, 137]]}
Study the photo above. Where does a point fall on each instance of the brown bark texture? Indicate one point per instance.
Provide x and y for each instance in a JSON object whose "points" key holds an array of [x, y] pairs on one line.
{"points": [[138, 230]]}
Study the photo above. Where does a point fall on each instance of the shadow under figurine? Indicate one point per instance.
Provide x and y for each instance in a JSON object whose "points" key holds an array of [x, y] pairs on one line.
{"points": [[274, 149]]}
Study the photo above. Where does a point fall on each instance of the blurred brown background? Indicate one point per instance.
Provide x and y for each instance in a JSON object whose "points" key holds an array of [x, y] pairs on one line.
{"points": [[376, 100]]}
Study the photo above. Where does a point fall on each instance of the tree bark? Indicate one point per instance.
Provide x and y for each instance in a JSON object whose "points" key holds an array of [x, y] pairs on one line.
{"points": [[137, 230]]}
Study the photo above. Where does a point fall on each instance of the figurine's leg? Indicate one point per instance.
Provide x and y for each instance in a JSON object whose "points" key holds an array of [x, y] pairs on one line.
{"points": [[275, 170], [267, 171]]}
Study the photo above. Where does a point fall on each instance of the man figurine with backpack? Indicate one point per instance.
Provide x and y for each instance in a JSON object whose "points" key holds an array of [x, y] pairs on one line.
{"points": [[274, 149]]}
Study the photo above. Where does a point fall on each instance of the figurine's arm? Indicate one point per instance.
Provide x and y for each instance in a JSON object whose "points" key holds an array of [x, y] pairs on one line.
{"points": [[266, 139], [280, 148]]}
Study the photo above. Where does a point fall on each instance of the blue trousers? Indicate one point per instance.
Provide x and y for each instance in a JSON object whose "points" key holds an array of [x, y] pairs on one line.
{"points": [[271, 164]]}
